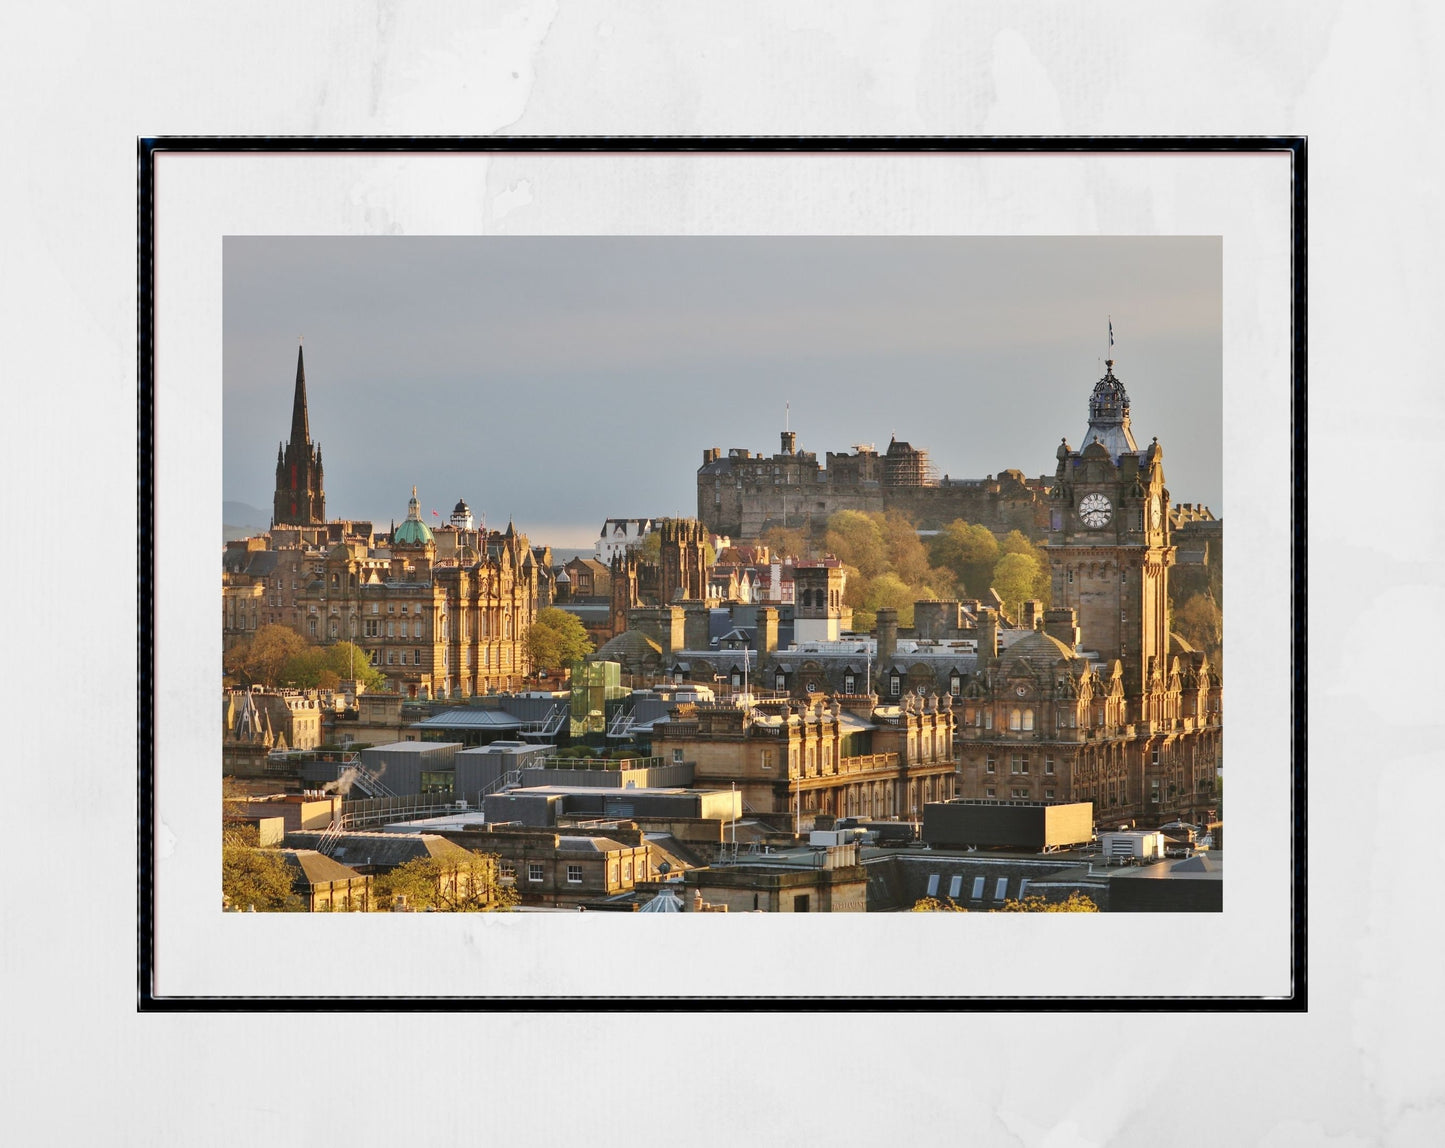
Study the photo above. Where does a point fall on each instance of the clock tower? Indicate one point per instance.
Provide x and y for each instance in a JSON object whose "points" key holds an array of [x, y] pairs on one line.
{"points": [[1108, 545]]}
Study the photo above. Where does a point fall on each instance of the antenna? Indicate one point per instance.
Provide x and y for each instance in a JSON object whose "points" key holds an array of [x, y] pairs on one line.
{"points": [[787, 416]]}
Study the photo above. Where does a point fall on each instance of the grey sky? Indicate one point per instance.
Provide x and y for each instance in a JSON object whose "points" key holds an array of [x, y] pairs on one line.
{"points": [[561, 381]]}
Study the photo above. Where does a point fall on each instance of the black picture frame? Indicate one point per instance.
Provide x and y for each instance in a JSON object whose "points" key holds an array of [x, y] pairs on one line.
{"points": [[150, 149]]}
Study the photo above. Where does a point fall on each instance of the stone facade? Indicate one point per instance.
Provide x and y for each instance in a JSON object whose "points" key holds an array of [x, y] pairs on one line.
{"points": [[842, 757], [1103, 704], [742, 493]]}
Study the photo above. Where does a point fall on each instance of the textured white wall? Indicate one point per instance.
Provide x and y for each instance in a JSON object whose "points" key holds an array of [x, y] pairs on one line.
{"points": [[81, 81]]}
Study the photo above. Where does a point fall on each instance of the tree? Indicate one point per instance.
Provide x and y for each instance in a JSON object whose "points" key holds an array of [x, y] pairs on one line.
{"points": [[1200, 622], [787, 542], [856, 539], [325, 667], [255, 878], [889, 590], [557, 638], [934, 905], [470, 883], [907, 556], [262, 660], [969, 553], [1017, 542], [1014, 578], [1076, 903]]}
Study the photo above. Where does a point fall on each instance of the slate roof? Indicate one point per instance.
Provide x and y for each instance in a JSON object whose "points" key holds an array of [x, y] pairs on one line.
{"points": [[381, 850], [317, 868]]}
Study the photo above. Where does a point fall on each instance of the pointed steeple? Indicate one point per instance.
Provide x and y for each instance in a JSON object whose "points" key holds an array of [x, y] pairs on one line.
{"points": [[300, 427]]}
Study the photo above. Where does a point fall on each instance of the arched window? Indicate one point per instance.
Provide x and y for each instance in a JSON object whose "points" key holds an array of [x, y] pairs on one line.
{"points": [[1015, 720], [1028, 719]]}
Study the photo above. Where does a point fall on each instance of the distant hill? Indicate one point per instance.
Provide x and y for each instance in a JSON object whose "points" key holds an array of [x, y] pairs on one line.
{"points": [[238, 520]]}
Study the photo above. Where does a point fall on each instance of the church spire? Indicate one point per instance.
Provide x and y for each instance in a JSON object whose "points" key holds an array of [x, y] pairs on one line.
{"points": [[300, 427]]}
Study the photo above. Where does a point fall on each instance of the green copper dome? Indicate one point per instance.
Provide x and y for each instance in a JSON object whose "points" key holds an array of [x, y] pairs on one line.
{"points": [[413, 532]]}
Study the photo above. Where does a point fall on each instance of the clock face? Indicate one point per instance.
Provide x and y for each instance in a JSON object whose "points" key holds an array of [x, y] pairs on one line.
{"points": [[1095, 510], [1154, 512]]}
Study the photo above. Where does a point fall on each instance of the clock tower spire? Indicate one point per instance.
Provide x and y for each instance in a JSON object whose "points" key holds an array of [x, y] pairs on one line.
{"points": [[1109, 547]]}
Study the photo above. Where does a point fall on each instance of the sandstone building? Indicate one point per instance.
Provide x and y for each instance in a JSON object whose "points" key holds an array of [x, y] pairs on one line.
{"points": [[438, 621]]}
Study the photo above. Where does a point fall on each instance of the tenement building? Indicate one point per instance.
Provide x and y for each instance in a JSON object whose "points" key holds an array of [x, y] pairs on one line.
{"points": [[843, 756], [1104, 703], [435, 628]]}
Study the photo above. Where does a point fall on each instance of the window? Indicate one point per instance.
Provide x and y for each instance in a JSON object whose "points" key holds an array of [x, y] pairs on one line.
{"points": [[895, 685], [781, 681], [534, 871], [1023, 884], [1154, 757], [932, 885], [574, 874], [1000, 888], [627, 871], [1015, 720], [850, 683], [1018, 763], [955, 683], [990, 792], [1048, 765], [1019, 794], [677, 757], [1049, 793], [507, 872], [989, 765], [955, 886], [1028, 720], [766, 759], [977, 888]]}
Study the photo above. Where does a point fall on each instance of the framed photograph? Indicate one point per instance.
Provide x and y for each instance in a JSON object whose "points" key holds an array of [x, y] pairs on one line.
{"points": [[489, 355]]}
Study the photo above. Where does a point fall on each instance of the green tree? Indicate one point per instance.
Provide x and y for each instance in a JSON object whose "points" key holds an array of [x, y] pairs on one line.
{"points": [[1014, 578], [969, 553], [1076, 903], [856, 539], [325, 667], [1017, 542], [557, 638], [262, 660], [888, 590], [252, 877], [448, 884]]}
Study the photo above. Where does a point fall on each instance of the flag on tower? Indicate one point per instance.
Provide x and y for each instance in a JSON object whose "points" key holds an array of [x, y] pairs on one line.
{"points": [[1111, 334]]}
